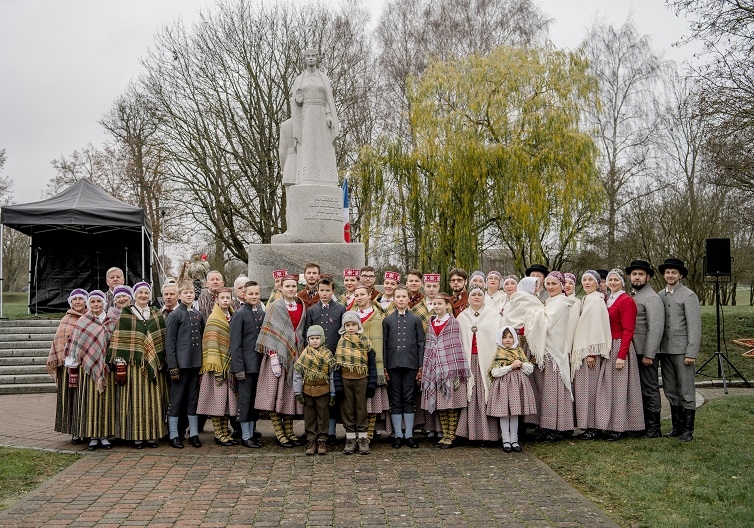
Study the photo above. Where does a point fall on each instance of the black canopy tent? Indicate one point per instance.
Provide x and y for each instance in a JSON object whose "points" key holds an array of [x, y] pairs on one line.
{"points": [[75, 237]]}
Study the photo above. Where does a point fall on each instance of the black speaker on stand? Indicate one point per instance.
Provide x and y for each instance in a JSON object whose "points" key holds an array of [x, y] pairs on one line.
{"points": [[717, 266]]}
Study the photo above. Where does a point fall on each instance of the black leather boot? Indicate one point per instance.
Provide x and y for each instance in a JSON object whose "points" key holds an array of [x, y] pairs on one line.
{"points": [[653, 425], [688, 427], [677, 417]]}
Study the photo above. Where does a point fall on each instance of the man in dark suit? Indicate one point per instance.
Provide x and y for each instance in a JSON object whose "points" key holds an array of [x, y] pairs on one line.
{"points": [[245, 360], [403, 352], [328, 314], [183, 350], [650, 316], [679, 347]]}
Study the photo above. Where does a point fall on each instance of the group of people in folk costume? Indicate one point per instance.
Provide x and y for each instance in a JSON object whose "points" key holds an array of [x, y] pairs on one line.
{"points": [[465, 366]]}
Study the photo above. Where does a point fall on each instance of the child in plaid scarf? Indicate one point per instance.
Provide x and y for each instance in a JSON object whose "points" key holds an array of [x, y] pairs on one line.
{"points": [[511, 394], [314, 386], [356, 379]]}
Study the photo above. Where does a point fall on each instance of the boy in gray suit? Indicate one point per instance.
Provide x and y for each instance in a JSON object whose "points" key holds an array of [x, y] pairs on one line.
{"points": [[403, 345], [679, 347], [245, 360], [183, 349]]}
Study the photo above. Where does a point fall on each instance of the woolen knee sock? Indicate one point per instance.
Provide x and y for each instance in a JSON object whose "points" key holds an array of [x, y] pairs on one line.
{"points": [[397, 421], [505, 428], [246, 430], [173, 426], [409, 419], [193, 421], [514, 428]]}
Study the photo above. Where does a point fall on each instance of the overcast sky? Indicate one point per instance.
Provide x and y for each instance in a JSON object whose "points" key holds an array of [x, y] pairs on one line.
{"points": [[63, 62]]}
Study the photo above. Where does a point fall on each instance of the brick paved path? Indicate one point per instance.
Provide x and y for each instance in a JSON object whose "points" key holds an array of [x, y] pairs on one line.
{"points": [[216, 486]]}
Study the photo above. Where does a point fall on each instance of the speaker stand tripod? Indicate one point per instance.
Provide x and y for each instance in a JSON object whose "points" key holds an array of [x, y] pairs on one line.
{"points": [[719, 355]]}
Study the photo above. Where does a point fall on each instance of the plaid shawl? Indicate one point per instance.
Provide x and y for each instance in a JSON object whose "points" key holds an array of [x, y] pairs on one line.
{"points": [[278, 335], [216, 343], [88, 345], [373, 331], [57, 351], [505, 357], [421, 310], [353, 353], [315, 364], [443, 362], [274, 296], [139, 342]]}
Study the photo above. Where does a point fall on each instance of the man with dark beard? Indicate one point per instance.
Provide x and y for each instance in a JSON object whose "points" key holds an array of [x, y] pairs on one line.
{"points": [[650, 316], [458, 278]]}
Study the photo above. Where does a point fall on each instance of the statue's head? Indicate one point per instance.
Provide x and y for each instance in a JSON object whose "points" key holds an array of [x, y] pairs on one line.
{"points": [[311, 57]]}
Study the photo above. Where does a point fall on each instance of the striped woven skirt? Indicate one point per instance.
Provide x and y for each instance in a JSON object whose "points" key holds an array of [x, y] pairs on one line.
{"points": [[585, 393], [379, 402], [619, 406], [214, 399], [141, 406], [474, 423], [275, 394], [96, 411], [511, 395], [555, 405], [65, 404], [455, 399]]}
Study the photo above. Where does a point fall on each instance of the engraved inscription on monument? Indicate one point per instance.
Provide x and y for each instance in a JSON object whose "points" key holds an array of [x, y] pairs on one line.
{"points": [[324, 207]]}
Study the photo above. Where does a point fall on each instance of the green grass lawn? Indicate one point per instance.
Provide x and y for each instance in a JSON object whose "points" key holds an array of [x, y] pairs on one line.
{"points": [[14, 307], [22, 470], [666, 483], [739, 323]]}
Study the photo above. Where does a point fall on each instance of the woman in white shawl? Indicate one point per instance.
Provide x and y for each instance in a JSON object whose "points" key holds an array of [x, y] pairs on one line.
{"points": [[591, 343], [549, 334], [479, 326]]}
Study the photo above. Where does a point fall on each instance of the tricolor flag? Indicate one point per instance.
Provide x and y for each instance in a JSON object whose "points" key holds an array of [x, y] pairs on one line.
{"points": [[346, 219]]}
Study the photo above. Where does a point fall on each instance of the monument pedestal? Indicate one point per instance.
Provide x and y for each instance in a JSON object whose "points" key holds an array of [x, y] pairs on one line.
{"points": [[332, 258], [313, 213]]}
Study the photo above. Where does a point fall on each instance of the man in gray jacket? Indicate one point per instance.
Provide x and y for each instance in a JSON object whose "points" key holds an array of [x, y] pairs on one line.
{"points": [[680, 347], [650, 316]]}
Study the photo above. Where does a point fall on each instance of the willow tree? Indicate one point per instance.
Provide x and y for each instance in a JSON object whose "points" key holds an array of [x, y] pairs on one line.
{"points": [[499, 158]]}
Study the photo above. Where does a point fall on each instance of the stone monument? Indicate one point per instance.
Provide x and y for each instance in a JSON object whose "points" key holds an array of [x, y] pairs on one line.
{"points": [[314, 200]]}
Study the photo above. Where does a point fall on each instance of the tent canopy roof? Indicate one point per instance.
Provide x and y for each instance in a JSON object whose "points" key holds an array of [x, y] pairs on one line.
{"points": [[83, 207]]}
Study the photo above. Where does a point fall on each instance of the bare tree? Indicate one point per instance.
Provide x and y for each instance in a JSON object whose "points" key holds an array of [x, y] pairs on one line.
{"points": [[627, 70], [15, 244], [221, 90], [677, 221], [104, 166]]}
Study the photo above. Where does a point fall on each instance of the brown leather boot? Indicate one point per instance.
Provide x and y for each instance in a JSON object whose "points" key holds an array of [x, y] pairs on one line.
{"points": [[322, 446]]}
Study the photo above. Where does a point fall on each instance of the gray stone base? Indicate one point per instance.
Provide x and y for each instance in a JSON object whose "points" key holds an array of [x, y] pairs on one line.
{"points": [[313, 213], [332, 258]]}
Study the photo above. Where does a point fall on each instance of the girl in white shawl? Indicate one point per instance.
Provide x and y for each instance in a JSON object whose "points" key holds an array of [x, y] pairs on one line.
{"points": [[479, 326]]}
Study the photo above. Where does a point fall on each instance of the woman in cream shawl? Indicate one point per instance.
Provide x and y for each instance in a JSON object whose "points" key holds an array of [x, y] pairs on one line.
{"points": [[479, 325], [549, 334], [591, 343]]}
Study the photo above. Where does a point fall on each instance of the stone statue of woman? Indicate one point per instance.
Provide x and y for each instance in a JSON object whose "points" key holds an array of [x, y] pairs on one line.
{"points": [[315, 124]]}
